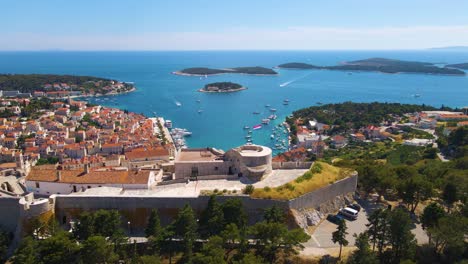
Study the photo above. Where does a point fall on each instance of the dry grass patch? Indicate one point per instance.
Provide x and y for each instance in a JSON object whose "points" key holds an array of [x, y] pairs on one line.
{"points": [[321, 174]]}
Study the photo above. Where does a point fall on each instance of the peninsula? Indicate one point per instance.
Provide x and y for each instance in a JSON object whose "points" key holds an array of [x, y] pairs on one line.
{"points": [[56, 86], [381, 65], [222, 87], [463, 66], [200, 71]]}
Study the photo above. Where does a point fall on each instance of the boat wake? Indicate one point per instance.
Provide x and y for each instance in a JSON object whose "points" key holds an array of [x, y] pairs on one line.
{"points": [[294, 80]]}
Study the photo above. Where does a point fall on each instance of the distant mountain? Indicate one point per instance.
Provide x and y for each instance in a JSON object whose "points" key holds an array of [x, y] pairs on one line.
{"points": [[452, 48], [380, 65]]}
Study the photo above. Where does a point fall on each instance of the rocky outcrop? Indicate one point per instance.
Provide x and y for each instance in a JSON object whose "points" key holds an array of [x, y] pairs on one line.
{"points": [[312, 216]]}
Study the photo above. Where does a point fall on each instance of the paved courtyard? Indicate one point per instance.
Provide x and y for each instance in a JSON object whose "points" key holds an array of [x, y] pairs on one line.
{"points": [[193, 188]]}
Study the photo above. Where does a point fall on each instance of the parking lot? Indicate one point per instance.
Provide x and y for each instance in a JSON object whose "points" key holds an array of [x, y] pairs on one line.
{"points": [[322, 236]]}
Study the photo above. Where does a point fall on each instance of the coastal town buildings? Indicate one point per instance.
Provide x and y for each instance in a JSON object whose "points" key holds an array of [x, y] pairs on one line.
{"points": [[51, 179], [73, 134]]}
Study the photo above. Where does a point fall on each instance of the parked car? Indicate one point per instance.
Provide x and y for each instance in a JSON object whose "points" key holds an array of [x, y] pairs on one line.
{"points": [[335, 218], [355, 206], [349, 213]]}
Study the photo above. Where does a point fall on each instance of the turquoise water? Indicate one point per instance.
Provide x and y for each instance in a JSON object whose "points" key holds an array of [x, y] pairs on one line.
{"points": [[224, 115]]}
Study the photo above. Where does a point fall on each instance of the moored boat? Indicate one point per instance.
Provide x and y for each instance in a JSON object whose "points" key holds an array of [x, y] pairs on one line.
{"points": [[265, 121]]}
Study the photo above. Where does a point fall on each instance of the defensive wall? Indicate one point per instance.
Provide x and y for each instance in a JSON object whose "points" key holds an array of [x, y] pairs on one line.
{"points": [[290, 165], [316, 198], [136, 209]]}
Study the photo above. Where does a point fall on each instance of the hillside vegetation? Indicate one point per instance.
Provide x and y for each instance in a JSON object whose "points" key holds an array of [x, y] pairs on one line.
{"points": [[320, 175], [356, 115], [31, 82]]}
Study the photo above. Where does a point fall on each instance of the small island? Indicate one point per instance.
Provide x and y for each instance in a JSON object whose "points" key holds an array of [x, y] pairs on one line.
{"points": [[200, 71], [381, 65], [298, 65], [222, 87], [463, 66]]}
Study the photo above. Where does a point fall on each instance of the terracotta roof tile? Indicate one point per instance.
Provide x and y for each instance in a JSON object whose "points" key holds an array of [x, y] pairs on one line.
{"points": [[93, 177]]}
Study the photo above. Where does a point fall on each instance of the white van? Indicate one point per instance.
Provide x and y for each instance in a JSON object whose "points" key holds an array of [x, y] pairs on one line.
{"points": [[349, 212]]}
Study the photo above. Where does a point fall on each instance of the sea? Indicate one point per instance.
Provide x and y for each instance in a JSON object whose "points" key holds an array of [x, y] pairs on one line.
{"points": [[218, 119]]}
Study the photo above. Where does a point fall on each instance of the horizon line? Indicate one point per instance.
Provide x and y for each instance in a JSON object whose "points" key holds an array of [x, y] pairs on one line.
{"points": [[455, 48]]}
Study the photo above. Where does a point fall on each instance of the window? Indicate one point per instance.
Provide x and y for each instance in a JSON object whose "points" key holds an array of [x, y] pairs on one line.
{"points": [[37, 185], [194, 172], [216, 168]]}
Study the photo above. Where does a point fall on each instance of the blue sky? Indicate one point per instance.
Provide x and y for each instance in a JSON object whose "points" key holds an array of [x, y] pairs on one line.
{"points": [[241, 24]]}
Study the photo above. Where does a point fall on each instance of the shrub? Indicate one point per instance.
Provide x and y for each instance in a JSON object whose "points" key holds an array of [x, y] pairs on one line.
{"points": [[249, 189], [266, 189], [289, 186], [234, 191], [308, 175], [299, 179], [317, 168], [215, 190], [224, 191]]}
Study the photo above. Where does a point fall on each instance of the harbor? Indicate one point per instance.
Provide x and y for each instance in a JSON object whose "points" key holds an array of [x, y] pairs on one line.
{"points": [[269, 127], [223, 116]]}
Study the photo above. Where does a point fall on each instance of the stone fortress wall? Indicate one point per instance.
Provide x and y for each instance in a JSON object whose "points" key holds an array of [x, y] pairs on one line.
{"points": [[316, 198], [252, 161], [290, 165], [137, 208]]}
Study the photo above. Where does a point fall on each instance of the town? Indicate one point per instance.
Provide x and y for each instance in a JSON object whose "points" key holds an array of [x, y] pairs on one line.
{"points": [[61, 156], [311, 139]]}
